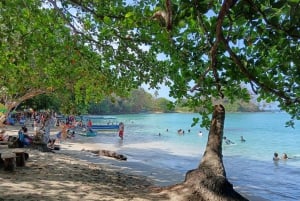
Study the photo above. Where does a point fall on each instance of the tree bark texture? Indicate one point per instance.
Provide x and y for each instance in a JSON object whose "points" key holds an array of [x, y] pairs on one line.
{"points": [[208, 182]]}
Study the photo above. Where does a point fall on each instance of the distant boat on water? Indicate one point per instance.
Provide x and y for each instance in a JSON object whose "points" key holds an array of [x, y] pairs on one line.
{"points": [[101, 123]]}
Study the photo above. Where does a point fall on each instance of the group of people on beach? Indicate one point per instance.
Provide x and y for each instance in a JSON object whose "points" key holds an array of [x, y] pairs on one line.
{"points": [[22, 140], [283, 157], [41, 123]]}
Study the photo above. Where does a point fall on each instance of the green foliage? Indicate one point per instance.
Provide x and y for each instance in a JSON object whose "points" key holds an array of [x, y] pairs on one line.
{"points": [[43, 51], [41, 102], [240, 106], [231, 106], [85, 51], [138, 101], [212, 51]]}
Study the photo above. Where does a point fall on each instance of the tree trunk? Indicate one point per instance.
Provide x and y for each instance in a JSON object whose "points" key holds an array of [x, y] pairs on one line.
{"points": [[208, 181], [2, 120], [10, 104]]}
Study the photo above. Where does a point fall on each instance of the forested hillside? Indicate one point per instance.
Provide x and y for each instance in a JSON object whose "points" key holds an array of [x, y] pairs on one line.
{"points": [[138, 101], [142, 101]]}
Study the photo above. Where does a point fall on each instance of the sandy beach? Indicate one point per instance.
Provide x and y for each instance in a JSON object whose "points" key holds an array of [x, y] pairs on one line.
{"points": [[67, 175]]}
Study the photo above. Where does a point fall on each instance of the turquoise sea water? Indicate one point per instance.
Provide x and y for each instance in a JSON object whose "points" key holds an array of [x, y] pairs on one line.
{"points": [[249, 165]]}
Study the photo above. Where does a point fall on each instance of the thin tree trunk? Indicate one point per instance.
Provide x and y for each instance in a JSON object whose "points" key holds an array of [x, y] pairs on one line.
{"points": [[2, 120]]}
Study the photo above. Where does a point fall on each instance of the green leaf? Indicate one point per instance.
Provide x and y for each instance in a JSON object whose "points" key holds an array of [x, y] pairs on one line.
{"points": [[107, 20], [129, 14]]}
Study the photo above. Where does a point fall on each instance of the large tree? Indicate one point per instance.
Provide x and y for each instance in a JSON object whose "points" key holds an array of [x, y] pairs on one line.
{"points": [[202, 50], [209, 50], [42, 51], [39, 54], [206, 49]]}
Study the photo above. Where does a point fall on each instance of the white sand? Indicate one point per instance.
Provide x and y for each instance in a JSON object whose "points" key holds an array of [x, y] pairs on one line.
{"points": [[73, 174]]}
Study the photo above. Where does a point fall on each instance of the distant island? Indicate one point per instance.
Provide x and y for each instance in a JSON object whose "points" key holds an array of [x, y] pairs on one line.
{"points": [[139, 101]]}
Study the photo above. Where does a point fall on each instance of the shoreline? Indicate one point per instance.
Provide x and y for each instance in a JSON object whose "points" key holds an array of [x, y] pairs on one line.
{"points": [[73, 174]]}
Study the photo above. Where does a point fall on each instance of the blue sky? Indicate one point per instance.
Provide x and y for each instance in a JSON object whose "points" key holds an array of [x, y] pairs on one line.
{"points": [[163, 92]]}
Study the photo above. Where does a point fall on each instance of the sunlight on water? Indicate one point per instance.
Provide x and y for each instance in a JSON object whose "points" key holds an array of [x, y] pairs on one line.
{"points": [[153, 138]]}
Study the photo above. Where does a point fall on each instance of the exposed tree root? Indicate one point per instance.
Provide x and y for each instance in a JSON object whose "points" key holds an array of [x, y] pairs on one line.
{"points": [[208, 182]]}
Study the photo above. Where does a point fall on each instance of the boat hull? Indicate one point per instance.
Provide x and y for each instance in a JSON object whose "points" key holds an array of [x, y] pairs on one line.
{"points": [[88, 134], [100, 123]]}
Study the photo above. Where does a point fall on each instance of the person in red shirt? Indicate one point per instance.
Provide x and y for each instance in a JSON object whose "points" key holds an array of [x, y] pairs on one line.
{"points": [[89, 123], [121, 130]]}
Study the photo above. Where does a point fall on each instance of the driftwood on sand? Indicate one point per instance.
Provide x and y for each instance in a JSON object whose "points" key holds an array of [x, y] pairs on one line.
{"points": [[107, 153]]}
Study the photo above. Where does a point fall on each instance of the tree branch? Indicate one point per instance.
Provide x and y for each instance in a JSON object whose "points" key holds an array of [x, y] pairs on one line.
{"points": [[88, 10], [74, 29], [32, 93], [227, 4], [242, 67], [221, 39], [267, 21]]}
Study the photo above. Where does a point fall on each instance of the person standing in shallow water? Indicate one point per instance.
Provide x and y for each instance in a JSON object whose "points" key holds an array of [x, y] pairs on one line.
{"points": [[121, 130], [89, 123]]}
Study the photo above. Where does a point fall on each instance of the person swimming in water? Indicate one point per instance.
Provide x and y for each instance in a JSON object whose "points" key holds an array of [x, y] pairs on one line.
{"points": [[284, 156], [276, 158], [227, 141], [180, 132]]}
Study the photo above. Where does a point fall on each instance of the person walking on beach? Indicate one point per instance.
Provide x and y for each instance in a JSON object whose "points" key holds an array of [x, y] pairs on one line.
{"points": [[121, 130]]}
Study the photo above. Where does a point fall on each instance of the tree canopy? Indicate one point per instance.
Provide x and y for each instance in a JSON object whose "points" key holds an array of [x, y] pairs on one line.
{"points": [[203, 50], [84, 50]]}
